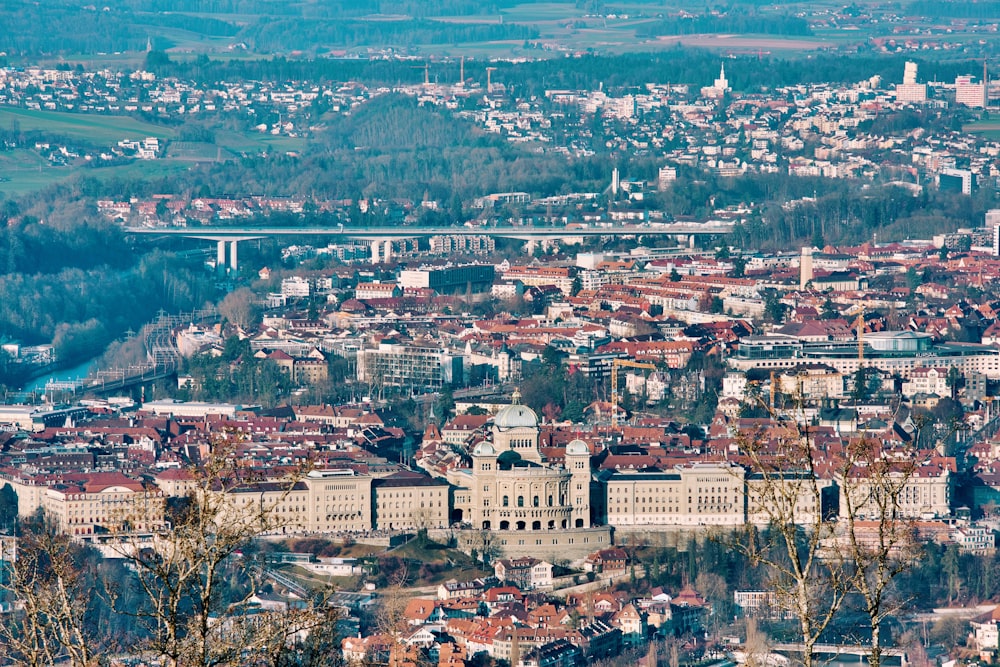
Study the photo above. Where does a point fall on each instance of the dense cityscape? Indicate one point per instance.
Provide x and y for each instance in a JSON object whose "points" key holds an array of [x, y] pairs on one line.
{"points": [[527, 335]]}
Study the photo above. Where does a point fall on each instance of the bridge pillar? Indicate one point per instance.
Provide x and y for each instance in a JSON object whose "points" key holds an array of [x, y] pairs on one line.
{"points": [[387, 254], [530, 246], [374, 245], [233, 265], [220, 257]]}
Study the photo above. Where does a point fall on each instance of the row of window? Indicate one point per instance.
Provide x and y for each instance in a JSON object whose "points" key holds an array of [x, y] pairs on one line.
{"points": [[505, 501]]}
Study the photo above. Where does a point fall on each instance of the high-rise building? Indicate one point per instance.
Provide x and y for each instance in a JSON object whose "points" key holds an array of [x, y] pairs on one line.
{"points": [[667, 176], [910, 91], [972, 95]]}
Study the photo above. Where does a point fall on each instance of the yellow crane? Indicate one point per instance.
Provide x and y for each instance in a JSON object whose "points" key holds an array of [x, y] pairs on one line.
{"points": [[615, 365], [860, 324]]}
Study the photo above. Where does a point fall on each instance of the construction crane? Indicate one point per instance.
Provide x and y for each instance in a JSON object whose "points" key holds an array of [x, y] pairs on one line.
{"points": [[860, 324], [615, 365], [427, 72]]}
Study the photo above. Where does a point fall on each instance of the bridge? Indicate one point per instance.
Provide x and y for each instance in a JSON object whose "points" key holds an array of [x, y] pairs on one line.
{"points": [[891, 655], [382, 237]]}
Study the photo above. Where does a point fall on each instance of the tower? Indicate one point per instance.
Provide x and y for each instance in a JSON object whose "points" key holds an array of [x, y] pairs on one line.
{"points": [[805, 267], [578, 463]]}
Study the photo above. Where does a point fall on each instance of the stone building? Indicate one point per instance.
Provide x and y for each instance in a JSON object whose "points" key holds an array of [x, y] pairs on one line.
{"points": [[532, 506]]}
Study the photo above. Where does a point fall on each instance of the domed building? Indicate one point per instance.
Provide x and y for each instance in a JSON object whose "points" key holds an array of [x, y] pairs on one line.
{"points": [[534, 506]]}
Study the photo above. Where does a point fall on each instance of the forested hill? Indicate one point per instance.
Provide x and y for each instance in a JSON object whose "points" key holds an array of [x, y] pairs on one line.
{"points": [[399, 122], [394, 147]]}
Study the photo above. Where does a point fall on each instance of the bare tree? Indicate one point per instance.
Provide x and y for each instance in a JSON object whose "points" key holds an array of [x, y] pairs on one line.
{"points": [[49, 578], [194, 583], [757, 647], [240, 307], [785, 494], [873, 484]]}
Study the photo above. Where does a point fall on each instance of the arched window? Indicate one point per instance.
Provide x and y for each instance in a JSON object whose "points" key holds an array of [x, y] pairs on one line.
{"points": [[550, 501], [536, 525], [520, 501], [534, 501], [504, 525], [506, 501]]}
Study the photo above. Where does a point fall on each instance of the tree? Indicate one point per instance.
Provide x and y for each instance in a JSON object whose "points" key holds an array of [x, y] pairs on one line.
{"points": [[785, 493], [739, 266], [195, 586], [240, 307], [52, 580], [954, 381], [774, 309], [8, 509], [873, 484]]}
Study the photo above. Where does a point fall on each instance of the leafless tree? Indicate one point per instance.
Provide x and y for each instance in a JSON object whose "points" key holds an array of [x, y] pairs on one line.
{"points": [[188, 608], [240, 307], [50, 582], [785, 493], [873, 484]]}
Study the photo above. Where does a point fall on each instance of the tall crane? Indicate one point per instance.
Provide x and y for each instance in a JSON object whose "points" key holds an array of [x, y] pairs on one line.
{"points": [[615, 365], [860, 324], [427, 72]]}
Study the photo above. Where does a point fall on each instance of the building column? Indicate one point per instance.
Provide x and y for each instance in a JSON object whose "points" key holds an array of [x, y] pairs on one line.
{"points": [[220, 257], [374, 245], [233, 265], [387, 247]]}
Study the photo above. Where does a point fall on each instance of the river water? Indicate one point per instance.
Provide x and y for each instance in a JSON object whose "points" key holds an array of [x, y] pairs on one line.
{"points": [[78, 372]]}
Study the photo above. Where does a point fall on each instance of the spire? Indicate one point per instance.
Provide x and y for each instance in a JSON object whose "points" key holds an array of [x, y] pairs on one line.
{"points": [[722, 72]]}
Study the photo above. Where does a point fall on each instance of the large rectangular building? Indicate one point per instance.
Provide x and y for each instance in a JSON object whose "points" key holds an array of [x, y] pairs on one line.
{"points": [[688, 495], [465, 278], [408, 366]]}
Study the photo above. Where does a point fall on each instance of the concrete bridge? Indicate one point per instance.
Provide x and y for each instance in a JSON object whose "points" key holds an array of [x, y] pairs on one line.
{"points": [[381, 238], [894, 657]]}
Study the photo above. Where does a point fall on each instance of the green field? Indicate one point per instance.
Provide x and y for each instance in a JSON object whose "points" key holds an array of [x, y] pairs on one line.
{"points": [[91, 128], [988, 127], [23, 171]]}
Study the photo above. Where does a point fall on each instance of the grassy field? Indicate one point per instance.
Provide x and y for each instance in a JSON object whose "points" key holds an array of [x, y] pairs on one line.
{"points": [[24, 171], [92, 128]]}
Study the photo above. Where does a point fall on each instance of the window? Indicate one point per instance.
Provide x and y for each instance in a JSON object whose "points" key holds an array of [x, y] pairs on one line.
{"points": [[520, 501], [506, 501], [534, 501]]}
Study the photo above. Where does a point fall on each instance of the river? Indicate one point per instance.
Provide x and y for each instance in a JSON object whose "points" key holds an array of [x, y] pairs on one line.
{"points": [[78, 372]]}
